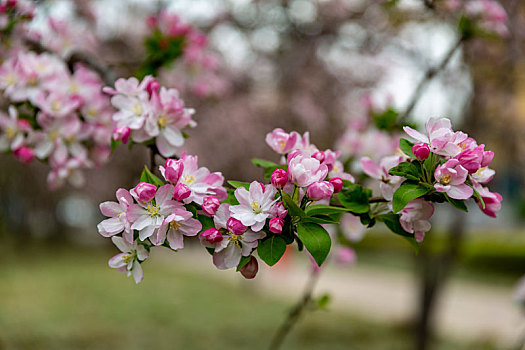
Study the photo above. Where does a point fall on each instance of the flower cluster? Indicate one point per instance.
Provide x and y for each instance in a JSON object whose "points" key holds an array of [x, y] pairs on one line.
{"points": [[149, 113], [197, 71], [155, 214], [56, 116], [14, 15]]}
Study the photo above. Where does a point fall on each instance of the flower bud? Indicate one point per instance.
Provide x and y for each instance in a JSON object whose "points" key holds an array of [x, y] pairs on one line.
{"points": [[320, 190], [121, 134], [181, 192], [337, 182], [319, 155], [278, 210], [153, 86], [276, 225], [250, 270], [235, 226], [172, 170], [279, 178], [144, 192], [210, 204], [212, 235], [24, 154], [421, 150]]}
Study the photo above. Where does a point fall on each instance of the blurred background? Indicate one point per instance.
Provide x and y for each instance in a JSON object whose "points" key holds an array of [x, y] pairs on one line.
{"points": [[323, 66]]}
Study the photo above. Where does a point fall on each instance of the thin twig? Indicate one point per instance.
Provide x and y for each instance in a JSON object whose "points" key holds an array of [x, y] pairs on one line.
{"points": [[429, 75], [295, 313]]}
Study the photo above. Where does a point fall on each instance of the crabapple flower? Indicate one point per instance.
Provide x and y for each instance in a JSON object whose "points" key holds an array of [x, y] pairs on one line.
{"points": [[147, 217], [451, 178], [129, 260], [483, 175], [121, 134], [278, 210], [210, 204], [279, 178], [144, 192], [303, 170], [414, 218], [118, 221], [389, 184], [254, 205], [320, 190], [181, 192], [492, 200], [14, 130], [235, 226], [276, 225], [421, 151], [212, 236], [172, 170], [441, 139], [24, 154], [337, 183], [178, 224], [229, 250], [282, 142]]}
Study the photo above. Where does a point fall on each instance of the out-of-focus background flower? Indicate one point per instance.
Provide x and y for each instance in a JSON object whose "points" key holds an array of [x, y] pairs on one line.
{"points": [[323, 66]]}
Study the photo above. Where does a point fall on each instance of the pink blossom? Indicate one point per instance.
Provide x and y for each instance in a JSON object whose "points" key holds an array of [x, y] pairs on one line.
{"points": [[172, 170], [414, 217], [235, 226], [212, 236], [492, 200], [483, 175], [254, 205], [345, 256], [279, 178], [144, 192], [117, 212], [389, 184], [320, 190], [121, 134], [181, 192], [24, 154], [337, 183], [276, 225], [210, 204], [319, 155], [303, 170], [421, 151], [129, 260], [338, 172], [178, 224], [352, 228], [278, 210], [14, 130], [451, 178], [282, 142]]}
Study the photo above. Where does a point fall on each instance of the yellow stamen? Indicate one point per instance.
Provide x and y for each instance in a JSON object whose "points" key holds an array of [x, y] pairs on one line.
{"points": [[256, 207], [163, 122], [152, 210], [174, 225], [137, 109], [188, 179], [445, 180]]}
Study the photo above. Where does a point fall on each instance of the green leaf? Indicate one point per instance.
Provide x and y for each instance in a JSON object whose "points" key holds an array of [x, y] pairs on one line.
{"points": [[392, 222], [206, 222], [292, 207], [355, 198], [244, 261], [149, 177], [323, 301], [406, 169], [264, 163], [457, 203], [318, 209], [479, 198], [237, 184], [405, 193], [114, 145], [315, 239], [321, 219], [271, 250], [406, 147], [231, 197]]}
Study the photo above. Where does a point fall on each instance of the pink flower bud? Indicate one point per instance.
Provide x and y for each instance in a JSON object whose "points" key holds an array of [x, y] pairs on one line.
{"points": [[235, 226], [210, 204], [121, 134], [172, 170], [152, 87], [181, 192], [337, 182], [320, 190], [144, 192], [250, 270], [23, 124], [278, 210], [24, 154], [212, 235], [276, 225], [279, 178], [421, 150], [319, 155]]}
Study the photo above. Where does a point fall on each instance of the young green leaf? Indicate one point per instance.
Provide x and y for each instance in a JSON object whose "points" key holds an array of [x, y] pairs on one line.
{"points": [[355, 199], [292, 207], [322, 209], [406, 169], [264, 163], [479, 198], [271, 250], [321, 219], [323, 301], [149, 177], [457, 203], [405, 193], [243, 262], [406, 147], [206, 222], [315, 239]]}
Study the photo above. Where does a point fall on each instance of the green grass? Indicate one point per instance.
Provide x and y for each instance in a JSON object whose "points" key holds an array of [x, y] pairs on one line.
{"points": [[70, 299]]}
